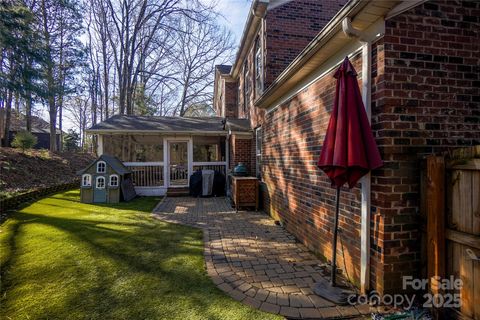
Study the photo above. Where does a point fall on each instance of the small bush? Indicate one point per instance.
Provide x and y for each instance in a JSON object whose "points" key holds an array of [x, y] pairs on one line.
{"points": [[24, 140]]}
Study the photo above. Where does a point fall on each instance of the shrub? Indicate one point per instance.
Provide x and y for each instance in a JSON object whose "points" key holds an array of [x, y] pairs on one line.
{"points": [[24, 140]]}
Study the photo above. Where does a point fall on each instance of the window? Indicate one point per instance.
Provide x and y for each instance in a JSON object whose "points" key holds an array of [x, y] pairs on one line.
{"points": [[258, 69], [246, 89], [101, 167], [113, 180], [100, 183], [208, 149], [86, 180], [258, 151]]}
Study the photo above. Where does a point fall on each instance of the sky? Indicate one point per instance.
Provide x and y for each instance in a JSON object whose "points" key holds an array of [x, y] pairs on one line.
{"points": [[234, 17]]}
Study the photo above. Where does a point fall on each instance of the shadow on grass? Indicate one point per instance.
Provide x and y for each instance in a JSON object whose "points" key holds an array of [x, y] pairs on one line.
{"points": [[104, 261]]}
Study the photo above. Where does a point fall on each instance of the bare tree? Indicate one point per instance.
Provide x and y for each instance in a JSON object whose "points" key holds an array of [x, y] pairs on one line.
{"points": [[152, 57], [204, 44]]}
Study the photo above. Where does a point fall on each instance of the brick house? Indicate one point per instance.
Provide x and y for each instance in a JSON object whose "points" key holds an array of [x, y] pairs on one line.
{"points": [[418, 68]]}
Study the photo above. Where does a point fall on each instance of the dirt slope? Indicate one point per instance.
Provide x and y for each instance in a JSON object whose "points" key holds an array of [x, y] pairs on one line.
{"points": [[34, 169]]}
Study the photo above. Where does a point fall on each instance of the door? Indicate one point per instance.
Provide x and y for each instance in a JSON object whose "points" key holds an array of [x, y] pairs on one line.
{"points": [[99, 191], [178, 163]]}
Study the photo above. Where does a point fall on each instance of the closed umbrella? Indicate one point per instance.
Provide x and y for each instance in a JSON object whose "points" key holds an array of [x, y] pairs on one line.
{"points": [[349, 150]]}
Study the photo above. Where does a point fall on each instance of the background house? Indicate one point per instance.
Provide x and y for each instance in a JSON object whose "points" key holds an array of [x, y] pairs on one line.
{"points": [[40, 129]]}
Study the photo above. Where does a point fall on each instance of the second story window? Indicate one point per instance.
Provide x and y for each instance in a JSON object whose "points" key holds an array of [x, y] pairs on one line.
{"points": [[246, 88], [258, 69]]}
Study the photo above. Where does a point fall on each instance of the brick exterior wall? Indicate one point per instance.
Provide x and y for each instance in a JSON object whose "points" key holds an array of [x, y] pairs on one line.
{"points": [[231, 108], [425, 99], [298, 193], [241, 151], [428, 103], [290, 28]]}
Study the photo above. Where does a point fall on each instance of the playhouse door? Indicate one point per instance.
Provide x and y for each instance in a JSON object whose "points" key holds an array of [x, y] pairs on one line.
{"points": [[99, 191]]}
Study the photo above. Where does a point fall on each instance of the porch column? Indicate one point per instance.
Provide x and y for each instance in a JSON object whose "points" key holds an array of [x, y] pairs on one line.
{"points": [[166, 171]]}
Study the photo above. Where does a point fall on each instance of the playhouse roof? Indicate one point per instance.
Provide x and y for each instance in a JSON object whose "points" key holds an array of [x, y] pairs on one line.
{"points": [[112, 161]]}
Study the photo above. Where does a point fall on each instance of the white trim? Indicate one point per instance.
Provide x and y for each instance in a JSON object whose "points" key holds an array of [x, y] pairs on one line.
{"points": [[190, 158], [85, 175], [142, 164], [189, 142], [276, 3], [402, 7], [104, 166], [366, 180], [227, 154], [151, 191], [104, 182], [110, 180], [166, 169]]}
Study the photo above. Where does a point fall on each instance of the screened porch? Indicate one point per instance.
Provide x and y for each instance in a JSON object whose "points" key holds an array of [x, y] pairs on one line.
{"points": [[159, 162]]}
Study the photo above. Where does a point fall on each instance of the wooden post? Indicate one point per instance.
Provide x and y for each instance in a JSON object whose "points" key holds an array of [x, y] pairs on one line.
{"points": [[435, 221]]}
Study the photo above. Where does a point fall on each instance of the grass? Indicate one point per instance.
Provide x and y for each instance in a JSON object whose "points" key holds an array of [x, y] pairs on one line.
{"points": [[61, 259]]}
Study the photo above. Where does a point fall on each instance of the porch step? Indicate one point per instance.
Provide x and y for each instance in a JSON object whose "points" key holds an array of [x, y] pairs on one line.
{"points": [[178, 192]]}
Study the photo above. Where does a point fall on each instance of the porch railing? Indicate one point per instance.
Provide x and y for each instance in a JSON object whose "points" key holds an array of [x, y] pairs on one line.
{"points": [[217, 166], [146, 174]]}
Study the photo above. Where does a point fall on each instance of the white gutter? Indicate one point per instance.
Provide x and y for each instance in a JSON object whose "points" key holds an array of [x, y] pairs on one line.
{"points": [[366, 180]]}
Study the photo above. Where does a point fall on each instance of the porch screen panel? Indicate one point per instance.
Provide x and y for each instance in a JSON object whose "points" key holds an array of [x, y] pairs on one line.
{"points": [[208, 149], [134, 148]]}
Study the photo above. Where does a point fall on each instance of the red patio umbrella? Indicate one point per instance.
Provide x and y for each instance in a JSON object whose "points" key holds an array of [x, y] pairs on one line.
{"points": [[349, 150]]}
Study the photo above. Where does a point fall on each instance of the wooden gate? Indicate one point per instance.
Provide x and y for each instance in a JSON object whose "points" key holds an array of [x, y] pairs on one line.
{"points": [[451, 199]]}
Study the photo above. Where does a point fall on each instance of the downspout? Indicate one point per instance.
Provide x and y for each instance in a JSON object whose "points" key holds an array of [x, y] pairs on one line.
{"points": [[366, 180]]}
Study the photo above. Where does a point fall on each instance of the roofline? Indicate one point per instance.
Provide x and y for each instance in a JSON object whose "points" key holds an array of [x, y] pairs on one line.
{"points": [[332, 27], [257, 12], [106, 131]]}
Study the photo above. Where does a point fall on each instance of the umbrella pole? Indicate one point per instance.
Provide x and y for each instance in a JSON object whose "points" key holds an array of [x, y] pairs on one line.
{"points": [[335, 233]]}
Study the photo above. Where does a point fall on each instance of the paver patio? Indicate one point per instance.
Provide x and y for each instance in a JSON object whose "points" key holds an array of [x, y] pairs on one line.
{"points": [[255, 261]]}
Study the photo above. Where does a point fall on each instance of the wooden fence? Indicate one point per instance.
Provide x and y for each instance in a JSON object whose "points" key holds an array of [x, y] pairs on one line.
{"points": [[451, 207]]}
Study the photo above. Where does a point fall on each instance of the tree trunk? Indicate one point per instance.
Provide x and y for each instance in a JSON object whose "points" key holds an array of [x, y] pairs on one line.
{"points": [[8, 116], [28, 111]]}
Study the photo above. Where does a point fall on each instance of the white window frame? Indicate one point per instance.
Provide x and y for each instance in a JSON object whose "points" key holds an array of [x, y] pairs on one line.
{"points": [[86, 180], [110, 180], [104, 166], [258, 70], [258, 151], [96, 182]]}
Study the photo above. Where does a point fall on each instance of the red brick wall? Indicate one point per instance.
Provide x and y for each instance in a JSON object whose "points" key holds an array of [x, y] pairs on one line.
{"points": [[428, 103], [231, 109], [299, 194], [425, 99], [241, 151], [289, 29]]}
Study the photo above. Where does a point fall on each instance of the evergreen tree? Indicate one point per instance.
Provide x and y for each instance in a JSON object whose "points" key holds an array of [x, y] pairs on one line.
{"points": [[21, 54]]}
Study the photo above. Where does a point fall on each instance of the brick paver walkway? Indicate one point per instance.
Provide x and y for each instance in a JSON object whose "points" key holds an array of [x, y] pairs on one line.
{"points": [[255, 261]]}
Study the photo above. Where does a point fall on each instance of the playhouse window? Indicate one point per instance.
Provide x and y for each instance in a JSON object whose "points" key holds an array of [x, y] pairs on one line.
{"points": [[86, 180], [100, 183], [101, 167], [113, 180]]}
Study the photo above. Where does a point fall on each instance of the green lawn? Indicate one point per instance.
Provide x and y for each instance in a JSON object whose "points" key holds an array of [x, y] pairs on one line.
{"points": [[61, 259]]}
